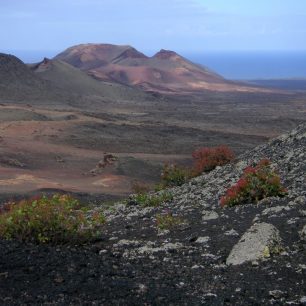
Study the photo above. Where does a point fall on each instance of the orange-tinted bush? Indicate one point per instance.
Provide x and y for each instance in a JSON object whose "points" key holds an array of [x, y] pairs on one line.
{"points": [[256, 183], [206, 159]]}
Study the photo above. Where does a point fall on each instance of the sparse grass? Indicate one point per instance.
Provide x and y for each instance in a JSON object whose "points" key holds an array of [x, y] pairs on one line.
{"points": [[147, 199], [140, 187], [167, 221], [58, 219], [256, 183]]}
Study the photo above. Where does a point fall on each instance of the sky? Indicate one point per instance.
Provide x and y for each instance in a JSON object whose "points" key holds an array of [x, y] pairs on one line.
{"points": [[149, 25]]}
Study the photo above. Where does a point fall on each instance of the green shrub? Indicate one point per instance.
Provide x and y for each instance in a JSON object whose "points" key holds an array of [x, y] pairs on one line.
{"points": [[147, 199], [167, 221], [256, 183], [57, 219], [173, 175]]}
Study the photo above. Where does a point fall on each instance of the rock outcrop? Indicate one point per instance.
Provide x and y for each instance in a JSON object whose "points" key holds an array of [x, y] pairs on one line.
{"points": [[255, 244]]}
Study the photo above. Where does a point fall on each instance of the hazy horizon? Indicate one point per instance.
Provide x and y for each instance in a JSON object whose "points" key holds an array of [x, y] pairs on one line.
{"points": [[229, 64]]}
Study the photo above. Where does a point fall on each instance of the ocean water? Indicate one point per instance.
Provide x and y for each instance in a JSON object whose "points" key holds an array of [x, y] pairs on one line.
{"points": [[231, 65], [254, 65]]}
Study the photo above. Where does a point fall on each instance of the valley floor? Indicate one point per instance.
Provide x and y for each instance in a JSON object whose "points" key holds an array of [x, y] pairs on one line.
{"points": [[59, 148]]}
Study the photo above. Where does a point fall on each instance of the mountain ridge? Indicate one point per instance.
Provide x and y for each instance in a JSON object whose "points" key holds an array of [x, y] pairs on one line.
{"points": [[164, 72]]}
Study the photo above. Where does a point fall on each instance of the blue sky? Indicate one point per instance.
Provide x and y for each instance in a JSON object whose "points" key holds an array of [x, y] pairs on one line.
{"points": [[181, 25]]}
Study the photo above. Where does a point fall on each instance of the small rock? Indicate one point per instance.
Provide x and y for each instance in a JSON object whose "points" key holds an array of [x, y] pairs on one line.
{"points": [[302, 267], [303, 233], [202, 240], [302, 213], [210, 256], [209, 215], [277, 294], [163, 232], [300, 200], [142, 288], [256, 219], [125, 242], [231, 232], [209, 294], [292, 220], [303, 300], [275, 210]]}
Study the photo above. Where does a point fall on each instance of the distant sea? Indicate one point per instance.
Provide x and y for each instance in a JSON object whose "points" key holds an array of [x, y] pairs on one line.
{"points": [[231, 65], [254, 65]]}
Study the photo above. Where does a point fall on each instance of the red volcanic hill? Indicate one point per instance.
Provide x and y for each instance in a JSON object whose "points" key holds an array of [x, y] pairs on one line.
{"points": [[166, 71]]}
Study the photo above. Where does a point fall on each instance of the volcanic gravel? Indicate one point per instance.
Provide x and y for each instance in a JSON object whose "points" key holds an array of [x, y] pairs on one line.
{"points": [[135, 263]]}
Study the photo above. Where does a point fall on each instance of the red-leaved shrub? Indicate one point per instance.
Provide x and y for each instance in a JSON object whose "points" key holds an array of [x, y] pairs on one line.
{"points": [[256, 183], [206, 159]]}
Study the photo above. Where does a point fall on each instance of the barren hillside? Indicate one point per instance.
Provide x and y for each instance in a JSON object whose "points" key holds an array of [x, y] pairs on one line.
{"points": [[164, 72]]}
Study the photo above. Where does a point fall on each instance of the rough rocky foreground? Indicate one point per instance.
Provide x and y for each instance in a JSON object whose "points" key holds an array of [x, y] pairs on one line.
{"points": [[246, 255]]}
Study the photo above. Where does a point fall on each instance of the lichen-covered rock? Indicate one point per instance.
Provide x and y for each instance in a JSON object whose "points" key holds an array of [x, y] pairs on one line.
{"points": [[209, 215], [255, 244]]}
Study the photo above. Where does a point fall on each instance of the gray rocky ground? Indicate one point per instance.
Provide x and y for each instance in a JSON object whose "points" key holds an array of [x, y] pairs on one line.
{"points": [[254, 254]]}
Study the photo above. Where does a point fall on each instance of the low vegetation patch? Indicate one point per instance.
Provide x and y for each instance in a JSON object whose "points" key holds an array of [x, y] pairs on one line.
{"points": [[167, 221], [147, 199], [173, 175], [57, 219], [207, 159], [257, 182], [140, 187]]}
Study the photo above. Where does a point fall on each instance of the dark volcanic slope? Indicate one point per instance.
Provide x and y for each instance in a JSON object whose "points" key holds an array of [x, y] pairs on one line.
{"points": [[166, 71], [13, 70], [19, 84], [55, 83], [74, 80], [135, 263]]}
